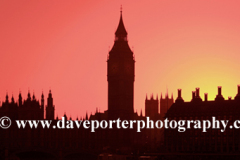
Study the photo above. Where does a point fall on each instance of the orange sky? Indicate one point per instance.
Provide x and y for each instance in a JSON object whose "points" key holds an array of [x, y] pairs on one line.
{"points": [[63, 45]]}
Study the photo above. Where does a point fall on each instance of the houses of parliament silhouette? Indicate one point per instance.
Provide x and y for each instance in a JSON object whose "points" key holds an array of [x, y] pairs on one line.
{"points": [[80, 143]]}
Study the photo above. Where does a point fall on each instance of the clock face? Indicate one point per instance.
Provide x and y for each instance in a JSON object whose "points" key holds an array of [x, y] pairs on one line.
{"points": [[128, 68], [114, 68]]}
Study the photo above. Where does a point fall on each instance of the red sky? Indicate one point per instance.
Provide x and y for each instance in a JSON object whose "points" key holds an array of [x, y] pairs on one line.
{"points": [[63, 45]]}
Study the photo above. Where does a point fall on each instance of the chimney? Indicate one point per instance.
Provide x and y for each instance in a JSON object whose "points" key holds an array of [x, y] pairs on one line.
{"points": [[238, 89], [179, 98], [179, 93], [238, 93], [197, 92], [193, 95], [219, 90], [205, 97], [219, 95]]}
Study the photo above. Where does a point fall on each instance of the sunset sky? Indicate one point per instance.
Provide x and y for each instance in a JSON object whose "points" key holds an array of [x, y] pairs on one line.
{"points": [[63, 46]]}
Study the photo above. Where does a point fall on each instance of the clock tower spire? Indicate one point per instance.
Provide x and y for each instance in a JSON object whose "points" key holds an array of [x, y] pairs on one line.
{"points": [[120, 76], [121, 33]]}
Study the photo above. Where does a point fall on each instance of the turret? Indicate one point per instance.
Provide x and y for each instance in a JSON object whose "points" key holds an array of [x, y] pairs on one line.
{"points": [[20, 99], [6, 101], [29, 96], [50, 107], [50, 99], [65, 116], [34, 98], [12, 99], [42, 100], [166, 95]]}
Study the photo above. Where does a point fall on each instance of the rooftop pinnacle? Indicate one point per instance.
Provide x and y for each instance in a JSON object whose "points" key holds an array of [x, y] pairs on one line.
{"points": [[121, 31]]}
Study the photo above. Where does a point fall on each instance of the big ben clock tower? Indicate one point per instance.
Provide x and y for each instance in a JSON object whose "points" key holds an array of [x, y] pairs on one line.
{"points": [[120, 76]]}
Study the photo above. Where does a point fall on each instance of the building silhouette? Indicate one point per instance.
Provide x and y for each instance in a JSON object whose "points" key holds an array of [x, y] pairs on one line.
{"points": [[224, 144], [80, 143], [65, 143], [30, 108], [157, 108], [165, 104], [120, 76], [152, 107]]}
